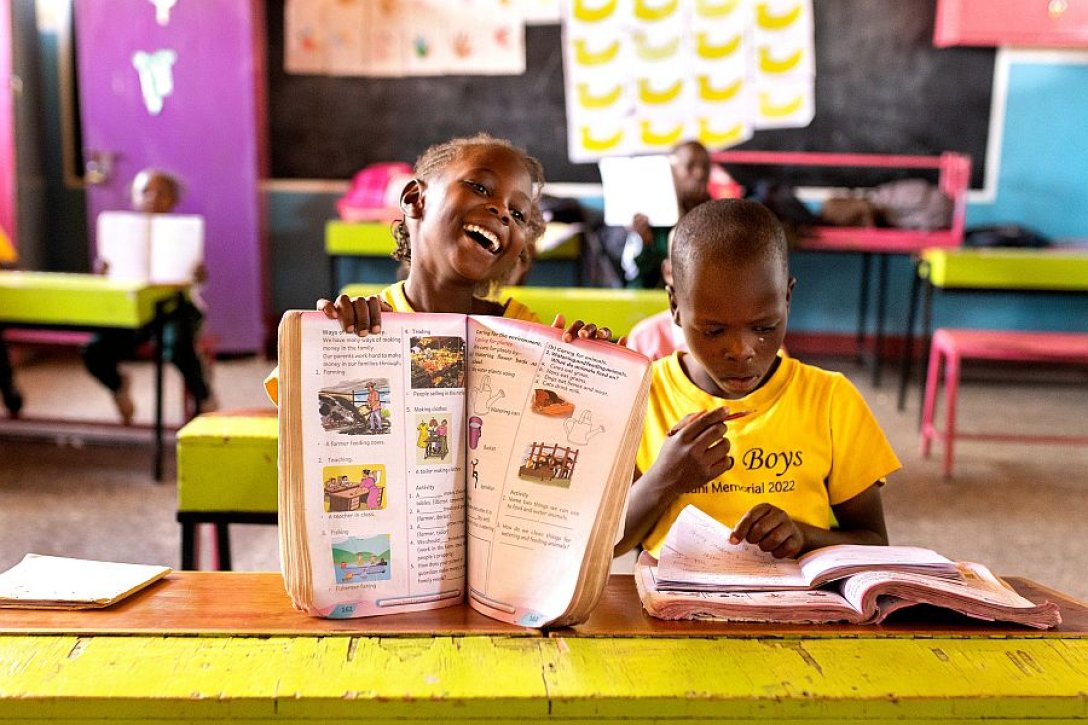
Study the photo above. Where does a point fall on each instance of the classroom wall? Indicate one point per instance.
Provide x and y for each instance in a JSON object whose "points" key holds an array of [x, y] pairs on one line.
{"points": [[1038, 177]]}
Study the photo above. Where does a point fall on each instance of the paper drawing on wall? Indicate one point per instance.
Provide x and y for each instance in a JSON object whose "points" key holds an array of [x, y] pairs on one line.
{"points": [[711, 70], [156, 72]]}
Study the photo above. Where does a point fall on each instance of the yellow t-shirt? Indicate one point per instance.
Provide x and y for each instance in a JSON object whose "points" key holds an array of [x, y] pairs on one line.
{"points": [[811, 443], [393, 295]]}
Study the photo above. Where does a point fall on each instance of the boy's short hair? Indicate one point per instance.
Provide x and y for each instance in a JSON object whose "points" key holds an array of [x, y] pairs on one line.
{"points": [[733, 230]]}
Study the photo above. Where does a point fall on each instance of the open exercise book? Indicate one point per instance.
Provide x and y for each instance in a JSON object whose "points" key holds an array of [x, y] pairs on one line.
{"points": [[452, 456], [156, 248], [702, 576]]}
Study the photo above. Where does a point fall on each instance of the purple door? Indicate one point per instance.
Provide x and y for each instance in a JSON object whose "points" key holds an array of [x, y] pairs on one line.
{"points": [[176, 85]]}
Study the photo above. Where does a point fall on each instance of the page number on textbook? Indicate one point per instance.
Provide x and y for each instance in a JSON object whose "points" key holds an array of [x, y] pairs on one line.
{"points": [[532, 619]]}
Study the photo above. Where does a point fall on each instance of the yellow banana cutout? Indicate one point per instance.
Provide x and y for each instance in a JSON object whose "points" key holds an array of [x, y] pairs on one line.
{"points": [[646, 94], [655, 52], [585, 56], [602, 144], [707, 9], [704, 49], [767, 64], [604, 100], [593, 15], [767, 21], [716, 139], [768, 109], [708, 92], [667, 139], [651, 14]]}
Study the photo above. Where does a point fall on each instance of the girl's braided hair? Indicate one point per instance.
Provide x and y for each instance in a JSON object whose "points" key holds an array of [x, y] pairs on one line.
{"points": [[435, 158]]}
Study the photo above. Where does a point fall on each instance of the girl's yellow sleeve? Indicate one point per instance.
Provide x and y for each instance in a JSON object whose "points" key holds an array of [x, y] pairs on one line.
{"points": [[272, 385]]}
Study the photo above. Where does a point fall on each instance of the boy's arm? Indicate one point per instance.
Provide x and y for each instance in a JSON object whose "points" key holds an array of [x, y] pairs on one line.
{"points": [[861, 521], [695, 451]]}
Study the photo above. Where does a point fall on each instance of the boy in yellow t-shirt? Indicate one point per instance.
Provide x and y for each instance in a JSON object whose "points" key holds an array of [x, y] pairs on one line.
{"points": [[767, 445]]}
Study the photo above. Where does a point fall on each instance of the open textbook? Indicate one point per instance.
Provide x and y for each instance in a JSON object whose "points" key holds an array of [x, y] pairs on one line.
{"points": [[156, 248], [702, 576], [453, 456]]}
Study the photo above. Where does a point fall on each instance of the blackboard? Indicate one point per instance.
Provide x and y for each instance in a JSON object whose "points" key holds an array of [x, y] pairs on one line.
{"points": [[881, 87]]}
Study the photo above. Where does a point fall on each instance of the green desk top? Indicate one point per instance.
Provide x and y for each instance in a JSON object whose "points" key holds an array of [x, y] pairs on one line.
{"points": [[374, 239], [1057, 269], [78, 300], [617, 309]]}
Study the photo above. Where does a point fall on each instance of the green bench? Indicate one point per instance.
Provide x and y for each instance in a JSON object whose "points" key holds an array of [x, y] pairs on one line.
{"points": [[617, 309], [227, 474]]}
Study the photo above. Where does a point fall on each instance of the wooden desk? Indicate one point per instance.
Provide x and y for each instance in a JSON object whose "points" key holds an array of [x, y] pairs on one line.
{"points": [[89, 302], [203, 646], [1023, 271]]}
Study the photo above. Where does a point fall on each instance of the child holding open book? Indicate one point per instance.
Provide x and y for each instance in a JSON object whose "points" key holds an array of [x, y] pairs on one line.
{"points": [[470, 213], [774, 448], [153, 192]]}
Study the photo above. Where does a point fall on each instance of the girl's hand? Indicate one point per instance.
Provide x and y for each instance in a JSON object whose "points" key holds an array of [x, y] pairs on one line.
{"points": [[584, 330], [771, 529], [362, 315], [695, 452]]}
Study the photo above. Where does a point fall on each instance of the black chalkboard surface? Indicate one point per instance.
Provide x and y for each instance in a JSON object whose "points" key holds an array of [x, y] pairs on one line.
{"points": [[881, 87]]}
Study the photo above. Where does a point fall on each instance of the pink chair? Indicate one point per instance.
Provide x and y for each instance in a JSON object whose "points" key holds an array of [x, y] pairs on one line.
{"points": [[954, 345]]}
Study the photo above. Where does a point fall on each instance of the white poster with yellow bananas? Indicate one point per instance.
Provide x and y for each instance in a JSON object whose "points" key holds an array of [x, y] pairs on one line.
{"points": [[642, 75]]}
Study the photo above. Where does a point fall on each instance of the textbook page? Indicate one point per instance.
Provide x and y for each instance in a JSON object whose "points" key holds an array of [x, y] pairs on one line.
{"points": [[124, 244], [383, 432], [697, 555], [639, 185], [545, 421], [177, 247]]}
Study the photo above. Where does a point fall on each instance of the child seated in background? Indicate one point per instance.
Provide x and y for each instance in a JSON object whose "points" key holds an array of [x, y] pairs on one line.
{"points": [[647, 247], [153, 192], [801, 445]]}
